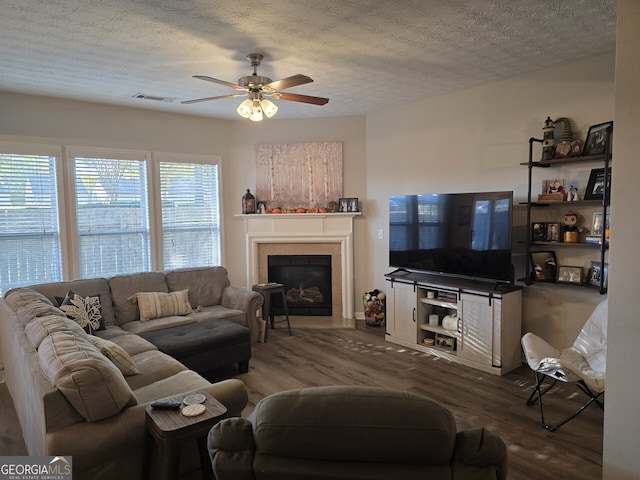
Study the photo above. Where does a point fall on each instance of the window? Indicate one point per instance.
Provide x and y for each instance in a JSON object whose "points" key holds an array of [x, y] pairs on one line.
{"points": [[82, 212], [112, 217], [190, 214], [29, 232]]}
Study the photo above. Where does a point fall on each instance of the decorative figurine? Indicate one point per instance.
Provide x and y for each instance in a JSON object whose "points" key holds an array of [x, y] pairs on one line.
{"points": [[570, 227], [572, 196], [548, 142], [576, 148], [563, 149]]}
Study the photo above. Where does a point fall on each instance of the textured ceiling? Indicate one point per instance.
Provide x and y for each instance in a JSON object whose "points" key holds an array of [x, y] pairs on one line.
{"points": [[365, 55]]}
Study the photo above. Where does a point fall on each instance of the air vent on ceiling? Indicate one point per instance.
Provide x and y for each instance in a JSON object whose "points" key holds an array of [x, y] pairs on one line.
{"points": [[143, 96]]}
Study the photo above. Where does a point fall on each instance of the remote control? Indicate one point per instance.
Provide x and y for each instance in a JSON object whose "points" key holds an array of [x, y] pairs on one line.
{"points": [[167, 404]]}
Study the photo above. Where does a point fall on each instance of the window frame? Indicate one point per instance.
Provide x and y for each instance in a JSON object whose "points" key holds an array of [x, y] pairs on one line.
{"points": [[170, 157], [66, 194], [56, 152], [73, 152]]}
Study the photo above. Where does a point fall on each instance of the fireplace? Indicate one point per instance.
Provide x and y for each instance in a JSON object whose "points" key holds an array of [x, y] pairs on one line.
{"points": [[307, 283], [305, 234]]}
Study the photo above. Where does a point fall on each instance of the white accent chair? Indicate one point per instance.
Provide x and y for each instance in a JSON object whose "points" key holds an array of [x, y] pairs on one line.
{"points": [[584, 363]]}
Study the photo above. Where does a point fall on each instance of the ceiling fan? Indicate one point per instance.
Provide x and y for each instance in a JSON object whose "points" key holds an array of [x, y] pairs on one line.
{"points": [[256, 88]]}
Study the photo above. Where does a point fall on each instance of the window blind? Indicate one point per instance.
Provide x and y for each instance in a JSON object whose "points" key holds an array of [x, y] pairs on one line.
{"points": [[29, 230], [112, 216], [190, 214]]}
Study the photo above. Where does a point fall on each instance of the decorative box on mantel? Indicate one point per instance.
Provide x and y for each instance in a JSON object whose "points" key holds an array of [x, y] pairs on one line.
{"points": [[304, 234]]}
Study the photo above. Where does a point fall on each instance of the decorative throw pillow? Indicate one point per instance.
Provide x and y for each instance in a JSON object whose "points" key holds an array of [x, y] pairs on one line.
{"points": [[160, 304], [85, 311], [116, 354]]}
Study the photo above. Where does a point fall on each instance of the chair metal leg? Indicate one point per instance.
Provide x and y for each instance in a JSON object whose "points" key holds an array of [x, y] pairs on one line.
{"points": [[538, 392]]}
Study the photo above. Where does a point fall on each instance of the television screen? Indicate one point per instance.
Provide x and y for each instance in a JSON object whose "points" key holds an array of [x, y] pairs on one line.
{"points": [[457, 234]]}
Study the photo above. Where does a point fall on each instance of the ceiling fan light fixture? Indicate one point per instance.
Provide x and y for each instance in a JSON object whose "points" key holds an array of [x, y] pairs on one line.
{"points": [[256, 112], [256, 87], [244, 109], [268, 107]]}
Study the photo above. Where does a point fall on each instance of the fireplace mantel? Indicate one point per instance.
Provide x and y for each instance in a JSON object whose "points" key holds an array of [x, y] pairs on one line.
{"points": [[299, 228]]}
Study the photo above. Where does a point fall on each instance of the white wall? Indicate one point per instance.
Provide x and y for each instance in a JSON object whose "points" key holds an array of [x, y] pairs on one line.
{"points": [[36, 119], [475, 140], [246, 135], [622, 421]]}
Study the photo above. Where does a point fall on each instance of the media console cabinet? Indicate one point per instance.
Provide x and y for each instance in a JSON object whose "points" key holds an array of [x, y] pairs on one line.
{"points": [[478, 323]]}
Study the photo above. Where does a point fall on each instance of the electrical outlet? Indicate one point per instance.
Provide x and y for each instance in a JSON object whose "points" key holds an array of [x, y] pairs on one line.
{"points": [[380, 234]]}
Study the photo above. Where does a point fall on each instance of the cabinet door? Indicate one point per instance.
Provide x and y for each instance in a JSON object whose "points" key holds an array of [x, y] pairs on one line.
{"points": [[402, 324], [476, 337]]}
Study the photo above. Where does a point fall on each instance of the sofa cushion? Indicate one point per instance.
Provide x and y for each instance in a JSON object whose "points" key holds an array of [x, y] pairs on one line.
{"points": [[179, 383], [18, 297], [85, 311], [28, 304], [130, 342], [40, 327], [83, 287], [205, 284], [350, 422], [218, 312], [154, 366], [139, 328], [123, 286], [116, 354], [91, 383], [161, 304]]}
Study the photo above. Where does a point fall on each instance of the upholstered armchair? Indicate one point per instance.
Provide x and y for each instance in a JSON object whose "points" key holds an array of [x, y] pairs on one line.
{"points": [[350, 432]]}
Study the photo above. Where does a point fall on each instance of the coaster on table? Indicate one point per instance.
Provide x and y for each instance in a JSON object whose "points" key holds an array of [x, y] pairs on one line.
{"points": [[193, 399], [193, 410]]}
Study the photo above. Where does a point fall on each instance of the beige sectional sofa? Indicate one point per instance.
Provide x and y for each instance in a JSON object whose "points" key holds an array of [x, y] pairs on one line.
{"points": [[85, 395]]}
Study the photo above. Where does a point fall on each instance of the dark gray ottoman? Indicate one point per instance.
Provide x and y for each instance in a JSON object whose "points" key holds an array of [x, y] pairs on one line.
{"points": [[206, 345]]}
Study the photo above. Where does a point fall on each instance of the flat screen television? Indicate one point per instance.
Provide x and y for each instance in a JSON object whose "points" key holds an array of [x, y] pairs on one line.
{"points": [[456, 234]]}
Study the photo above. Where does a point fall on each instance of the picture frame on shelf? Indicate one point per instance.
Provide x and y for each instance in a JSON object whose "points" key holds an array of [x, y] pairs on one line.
{"points": [[598, 139], [595, 273], [538, 231], [348, 205], [545, 266], [553, 185], [552, 233], [597, 225], [569, 274], [595, 186]]}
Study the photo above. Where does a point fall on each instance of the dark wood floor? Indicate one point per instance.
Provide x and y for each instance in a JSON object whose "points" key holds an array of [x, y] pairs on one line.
{"points": [[362, 357]]}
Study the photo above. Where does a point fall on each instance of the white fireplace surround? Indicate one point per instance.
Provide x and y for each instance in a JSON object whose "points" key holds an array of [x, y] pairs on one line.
{"points": [[300, 228]]}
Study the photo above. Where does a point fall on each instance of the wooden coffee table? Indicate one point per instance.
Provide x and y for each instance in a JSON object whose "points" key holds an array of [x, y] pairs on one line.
{"points": [[168, 430]]}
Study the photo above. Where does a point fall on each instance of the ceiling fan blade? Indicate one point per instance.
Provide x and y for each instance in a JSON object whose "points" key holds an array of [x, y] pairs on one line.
{"points": [[288, 82], [220, 82], [294, 97], [197, 100]]}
